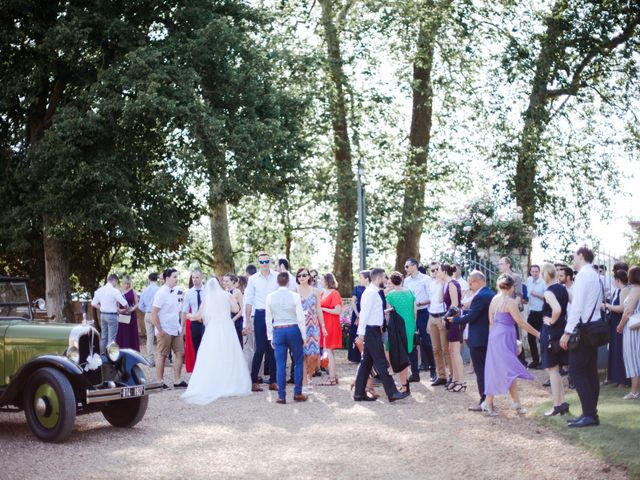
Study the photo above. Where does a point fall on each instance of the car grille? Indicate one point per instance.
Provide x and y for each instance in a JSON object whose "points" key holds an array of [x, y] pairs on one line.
{"points": [[88, 344]]}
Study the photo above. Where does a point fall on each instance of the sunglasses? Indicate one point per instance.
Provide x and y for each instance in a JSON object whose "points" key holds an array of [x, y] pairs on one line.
{"points": [[406, 267], [264, 262], [434, 271], [303, 275]]}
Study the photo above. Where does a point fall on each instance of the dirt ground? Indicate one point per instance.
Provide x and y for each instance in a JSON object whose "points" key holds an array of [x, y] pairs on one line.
{"points": [[429, 435]]}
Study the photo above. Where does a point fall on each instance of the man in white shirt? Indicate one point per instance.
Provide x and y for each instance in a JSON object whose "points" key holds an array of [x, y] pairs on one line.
{"points": [[165, 315], [286, 329], [370, 341], [535, 288], [437, 326], [283, 266], [419, 283], [583, 361], [607, 282], [146, 304], [260, 284], [191, 304], [107, 298]]}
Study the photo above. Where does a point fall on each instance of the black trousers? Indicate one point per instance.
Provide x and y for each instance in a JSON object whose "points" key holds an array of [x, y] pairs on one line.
{"points": [[197, 331], [535, 320], [478, 358], [583, 369], [373, 354], [426, 348]]}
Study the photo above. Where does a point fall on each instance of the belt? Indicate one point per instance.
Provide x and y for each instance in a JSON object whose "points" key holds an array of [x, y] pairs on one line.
{"points": [[437, 315], [377, 327], [286, 326], [109, 313]]}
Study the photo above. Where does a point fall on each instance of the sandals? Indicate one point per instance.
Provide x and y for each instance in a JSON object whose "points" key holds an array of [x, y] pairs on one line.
{"points": [[520, 410], [331, 382], [456, 387]]}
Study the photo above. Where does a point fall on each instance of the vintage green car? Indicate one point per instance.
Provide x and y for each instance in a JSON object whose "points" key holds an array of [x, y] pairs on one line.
{"points": [[55, 371]]}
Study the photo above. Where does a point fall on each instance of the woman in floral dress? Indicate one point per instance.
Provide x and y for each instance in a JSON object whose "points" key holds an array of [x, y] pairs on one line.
{"points": [[314, 320]]}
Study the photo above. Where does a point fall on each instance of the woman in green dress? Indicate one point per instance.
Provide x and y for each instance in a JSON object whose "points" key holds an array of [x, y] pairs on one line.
{"points": [[403, 301]]}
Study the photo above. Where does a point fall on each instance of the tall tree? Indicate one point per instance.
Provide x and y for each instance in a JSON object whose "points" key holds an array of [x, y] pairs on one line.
{"points": [[583, 44], [430, 15], [248, 129], [85, 118], [332, 17]]}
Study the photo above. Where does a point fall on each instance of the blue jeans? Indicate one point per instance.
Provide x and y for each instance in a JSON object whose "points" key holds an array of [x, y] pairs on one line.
{"points": [[263, 348], [291, 338], [108, 329]]}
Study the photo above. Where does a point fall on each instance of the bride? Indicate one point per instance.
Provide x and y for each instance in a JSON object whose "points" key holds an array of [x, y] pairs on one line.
{"points": [[220, 369]]}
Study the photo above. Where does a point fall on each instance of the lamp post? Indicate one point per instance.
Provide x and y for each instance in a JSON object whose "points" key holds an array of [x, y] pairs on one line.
{"points": [[361, 210]]}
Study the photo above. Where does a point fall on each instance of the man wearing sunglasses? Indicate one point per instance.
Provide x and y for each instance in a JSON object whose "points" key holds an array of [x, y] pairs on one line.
{"points": [[418, 283], [260, 284]]}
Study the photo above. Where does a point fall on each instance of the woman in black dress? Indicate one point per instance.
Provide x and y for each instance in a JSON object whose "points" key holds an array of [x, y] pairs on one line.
{"points": [[554, 317]]}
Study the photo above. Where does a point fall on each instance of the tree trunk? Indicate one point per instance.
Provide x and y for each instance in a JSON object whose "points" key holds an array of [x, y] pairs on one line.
{"points": [[220, 239], [536, 118], [346, 198], [415, 174], [58, 288]]}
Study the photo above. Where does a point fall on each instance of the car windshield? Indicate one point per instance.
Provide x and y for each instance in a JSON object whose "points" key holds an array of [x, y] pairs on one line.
{"points": [[14, 301]]}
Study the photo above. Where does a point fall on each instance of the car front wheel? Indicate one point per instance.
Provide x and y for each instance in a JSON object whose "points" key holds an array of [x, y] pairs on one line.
{"points": [[126, 413], [49, 405]]}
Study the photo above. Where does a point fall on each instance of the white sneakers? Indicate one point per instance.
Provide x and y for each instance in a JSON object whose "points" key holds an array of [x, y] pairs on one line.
{"points": [[632, 396]]}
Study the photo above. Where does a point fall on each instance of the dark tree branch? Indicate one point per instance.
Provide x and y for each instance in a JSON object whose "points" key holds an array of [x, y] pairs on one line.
{"points": [[600, 49]]}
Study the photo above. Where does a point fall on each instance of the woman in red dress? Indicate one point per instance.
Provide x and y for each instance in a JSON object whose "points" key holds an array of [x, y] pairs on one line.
{"points": [[189, 351], [331, 304]]}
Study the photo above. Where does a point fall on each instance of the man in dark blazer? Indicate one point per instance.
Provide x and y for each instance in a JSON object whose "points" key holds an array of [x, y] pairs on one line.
{"points": [[478, 319]]}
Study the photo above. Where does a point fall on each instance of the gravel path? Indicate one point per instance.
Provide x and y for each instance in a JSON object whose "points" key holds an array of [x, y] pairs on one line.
{"points": [[430, 435]]}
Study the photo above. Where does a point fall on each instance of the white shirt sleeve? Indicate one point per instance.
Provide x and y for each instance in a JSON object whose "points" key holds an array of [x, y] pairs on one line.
{"points": [[366, 306], [269, 318], [250, 292], [158, 300], [95, 301], [186, 304], [577, 304], [120, 298], [300, 315]]}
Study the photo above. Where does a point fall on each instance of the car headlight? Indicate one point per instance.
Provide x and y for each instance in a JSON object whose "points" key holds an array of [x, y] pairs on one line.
{"points": [[73, 354], [113, 351]]}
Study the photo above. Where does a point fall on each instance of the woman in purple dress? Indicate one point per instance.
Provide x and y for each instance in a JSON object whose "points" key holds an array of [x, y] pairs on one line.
{"points": [[502, 366], [127, 336]]}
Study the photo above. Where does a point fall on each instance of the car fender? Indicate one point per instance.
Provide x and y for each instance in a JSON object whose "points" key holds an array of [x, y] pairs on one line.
{"points": [[13, 393], [129, 358]]}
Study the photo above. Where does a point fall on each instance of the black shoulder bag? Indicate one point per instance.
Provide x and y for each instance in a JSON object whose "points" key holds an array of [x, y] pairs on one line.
{"points": [[593, 333]]}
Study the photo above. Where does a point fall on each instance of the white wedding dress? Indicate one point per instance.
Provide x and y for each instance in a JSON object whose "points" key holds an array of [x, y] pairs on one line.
{"points": [[220, 369]]}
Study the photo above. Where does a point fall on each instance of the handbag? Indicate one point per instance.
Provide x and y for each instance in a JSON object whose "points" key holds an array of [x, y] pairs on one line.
{"points": [[124, 318], [596, 333]]}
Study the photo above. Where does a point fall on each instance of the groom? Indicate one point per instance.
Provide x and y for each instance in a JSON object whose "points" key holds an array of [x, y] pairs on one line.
{"points": [[370, 342], [286, 329]]}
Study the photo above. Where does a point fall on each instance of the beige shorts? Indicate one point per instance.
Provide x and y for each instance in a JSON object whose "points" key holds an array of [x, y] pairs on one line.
{"points": [[167, 342]]}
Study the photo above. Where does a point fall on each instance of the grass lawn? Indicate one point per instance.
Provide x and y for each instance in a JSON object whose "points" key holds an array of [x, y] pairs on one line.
{"points": [[617, 439]]}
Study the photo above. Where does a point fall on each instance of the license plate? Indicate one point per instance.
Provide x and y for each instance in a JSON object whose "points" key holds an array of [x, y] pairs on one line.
{"points": [[128, 392]]}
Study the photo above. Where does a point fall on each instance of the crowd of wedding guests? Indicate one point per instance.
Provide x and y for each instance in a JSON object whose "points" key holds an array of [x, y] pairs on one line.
{"points": [[406, 323]]}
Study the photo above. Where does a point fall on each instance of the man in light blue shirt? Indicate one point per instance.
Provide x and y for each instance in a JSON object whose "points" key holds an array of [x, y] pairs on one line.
{"points": [[192, 301], [536, 288], [260, 284], [146, 305]]}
